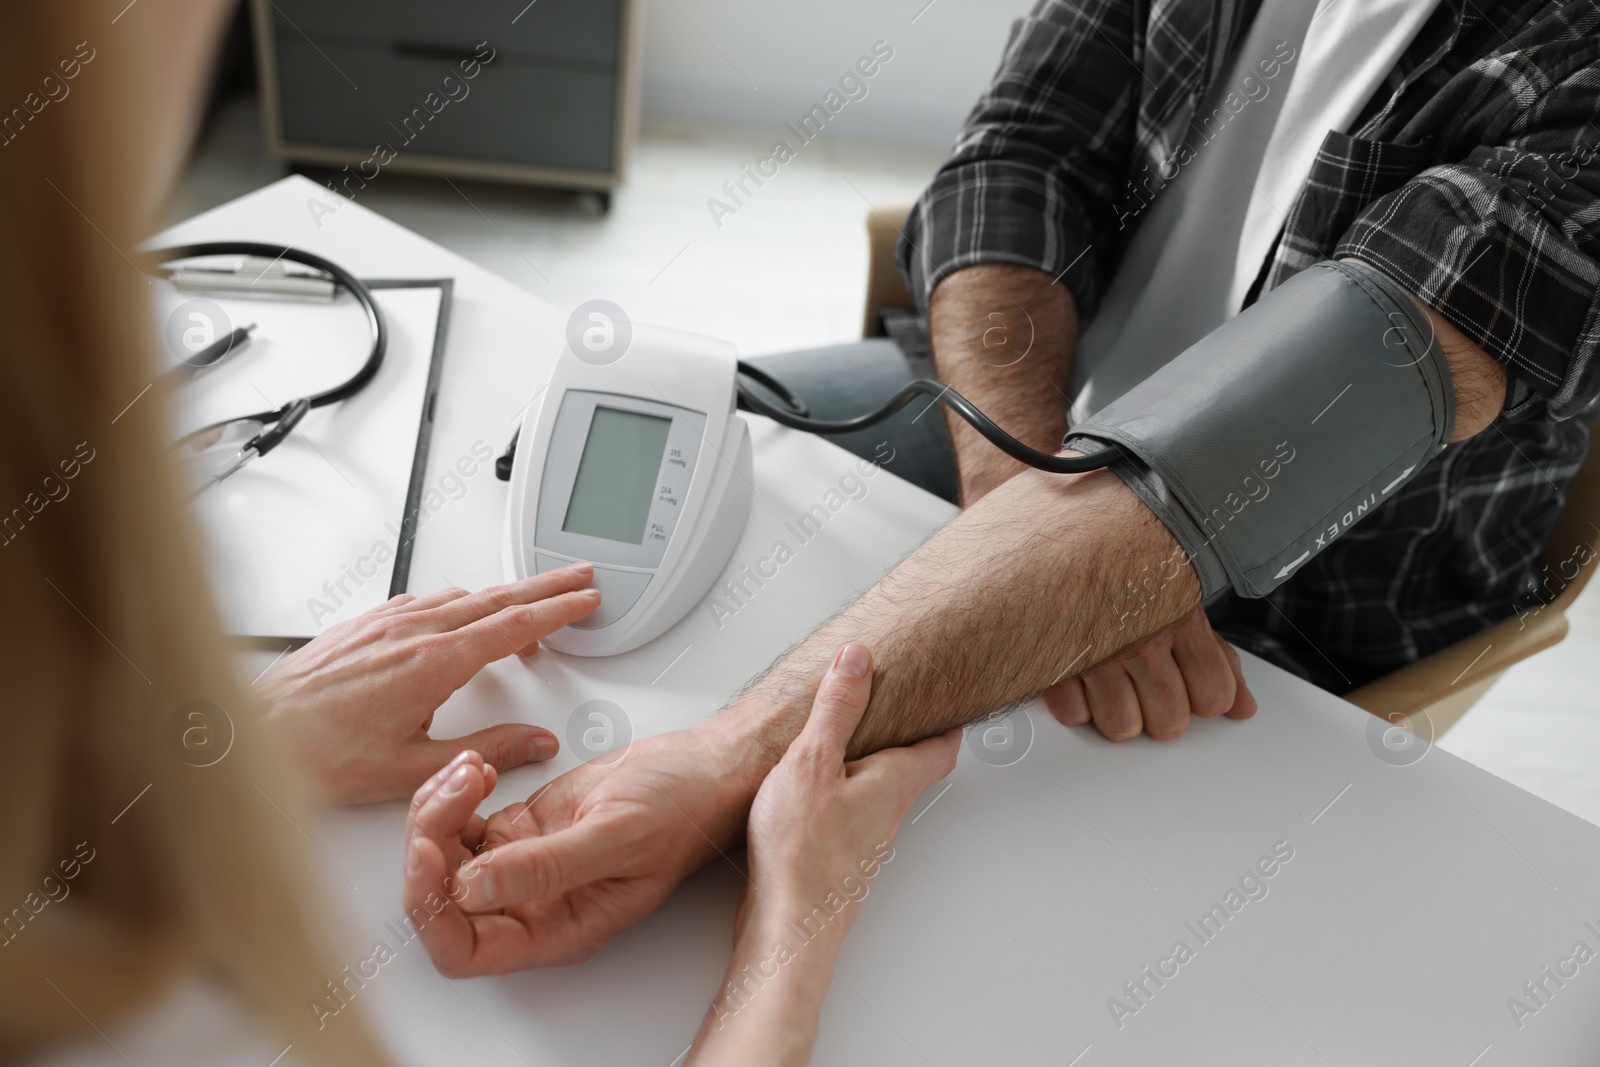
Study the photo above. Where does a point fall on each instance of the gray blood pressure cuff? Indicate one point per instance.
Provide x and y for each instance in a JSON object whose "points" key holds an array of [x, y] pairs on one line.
{"points": [[1263, 443]]}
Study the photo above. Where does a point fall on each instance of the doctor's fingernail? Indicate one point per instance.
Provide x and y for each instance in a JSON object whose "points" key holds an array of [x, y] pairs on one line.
{"points": [[413, 858], [456, 782], [542, 747], [582, 568], [853, 660]]}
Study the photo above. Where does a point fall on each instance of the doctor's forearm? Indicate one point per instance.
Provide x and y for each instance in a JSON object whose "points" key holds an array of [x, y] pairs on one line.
{"points": [[1048, 574], [1003, 337]]}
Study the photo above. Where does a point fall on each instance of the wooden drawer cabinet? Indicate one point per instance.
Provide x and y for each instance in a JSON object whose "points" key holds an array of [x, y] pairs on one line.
{"points": [[543, 93], [561, 30]]}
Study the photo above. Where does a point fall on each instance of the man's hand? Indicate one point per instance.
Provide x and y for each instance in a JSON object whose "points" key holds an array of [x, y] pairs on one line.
{"points": [[356, 703], [1003, 337], [584, 858], [979, 616], [1155, 688]]}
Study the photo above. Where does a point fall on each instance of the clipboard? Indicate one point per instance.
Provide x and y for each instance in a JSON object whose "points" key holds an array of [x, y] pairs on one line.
{"points": [[322, 529], [410, 519]]}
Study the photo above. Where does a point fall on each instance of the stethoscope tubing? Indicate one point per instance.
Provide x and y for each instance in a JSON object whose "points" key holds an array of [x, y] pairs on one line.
{"points": [[341, 277]]}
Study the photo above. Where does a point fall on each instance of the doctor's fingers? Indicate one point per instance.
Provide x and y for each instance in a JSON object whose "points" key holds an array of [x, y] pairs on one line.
{"points": [[837, 709], [512, 631], [503, 747], [454, 610], [394, 605], [908, 770]]}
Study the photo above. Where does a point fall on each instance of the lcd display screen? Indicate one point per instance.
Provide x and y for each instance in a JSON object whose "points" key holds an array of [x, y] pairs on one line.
{"points": [[616, 482]]}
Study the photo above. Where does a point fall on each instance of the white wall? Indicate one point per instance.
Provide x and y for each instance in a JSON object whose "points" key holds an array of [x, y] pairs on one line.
{"points": [[762, 63]]}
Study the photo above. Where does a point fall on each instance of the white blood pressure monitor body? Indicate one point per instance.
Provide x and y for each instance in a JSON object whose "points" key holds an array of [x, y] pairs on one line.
{"points": [[640, 466]]}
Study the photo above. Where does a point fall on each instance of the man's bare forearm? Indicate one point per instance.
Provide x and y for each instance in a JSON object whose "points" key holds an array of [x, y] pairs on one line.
{"points": [[1045, 576], [1049, 574], [1003, 336]]}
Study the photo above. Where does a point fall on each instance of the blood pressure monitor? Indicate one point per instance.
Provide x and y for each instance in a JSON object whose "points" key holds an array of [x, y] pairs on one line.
{"points": [[641, 466], [635, 459]]}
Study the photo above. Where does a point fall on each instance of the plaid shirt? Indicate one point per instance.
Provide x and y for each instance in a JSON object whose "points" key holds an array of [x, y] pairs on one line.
{"points": [[1469, 178]]}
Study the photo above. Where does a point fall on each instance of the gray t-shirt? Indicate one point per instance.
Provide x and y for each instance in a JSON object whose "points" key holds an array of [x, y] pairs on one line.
{"points": [[1306, 67]]}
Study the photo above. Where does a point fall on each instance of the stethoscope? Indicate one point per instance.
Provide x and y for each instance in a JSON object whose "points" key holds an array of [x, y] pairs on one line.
{"points": [[223, 448]]}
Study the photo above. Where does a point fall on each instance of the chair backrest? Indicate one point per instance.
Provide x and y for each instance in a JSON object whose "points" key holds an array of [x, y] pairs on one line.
{"points": [[1438, 689], [885, 287]]}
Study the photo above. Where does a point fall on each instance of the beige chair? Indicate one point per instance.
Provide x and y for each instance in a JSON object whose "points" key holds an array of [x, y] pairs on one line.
{"points": [[1430, 695], [1426, 697], [885, 287]]}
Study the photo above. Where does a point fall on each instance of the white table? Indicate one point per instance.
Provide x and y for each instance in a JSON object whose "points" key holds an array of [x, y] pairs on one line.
{"points": [[1419, 898]]}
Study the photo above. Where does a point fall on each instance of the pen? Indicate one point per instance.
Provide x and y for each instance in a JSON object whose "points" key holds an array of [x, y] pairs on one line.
{"points": [[271, 282], [214, 353]]}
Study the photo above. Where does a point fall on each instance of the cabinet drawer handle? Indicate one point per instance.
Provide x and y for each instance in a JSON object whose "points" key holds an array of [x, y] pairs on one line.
{"points": [[427, 50]]}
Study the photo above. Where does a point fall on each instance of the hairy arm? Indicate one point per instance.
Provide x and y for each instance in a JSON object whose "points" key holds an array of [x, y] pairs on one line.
{"points": [[1479, 379], [1003, 336], [1047, 575], [1030, 583]]}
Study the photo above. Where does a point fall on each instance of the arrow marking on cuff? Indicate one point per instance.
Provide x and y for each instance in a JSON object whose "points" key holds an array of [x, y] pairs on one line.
{"points": [[1293, 563], [1403, 476]]}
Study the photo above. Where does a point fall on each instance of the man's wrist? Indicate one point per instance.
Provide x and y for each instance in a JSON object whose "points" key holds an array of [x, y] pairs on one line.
{"points": [[748, 738]]}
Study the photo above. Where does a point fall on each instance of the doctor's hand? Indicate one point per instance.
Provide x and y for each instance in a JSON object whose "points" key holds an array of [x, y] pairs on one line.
{"points": [[1155, 687], [550, 880], [818, 819], [355, 704], [821, 828]]}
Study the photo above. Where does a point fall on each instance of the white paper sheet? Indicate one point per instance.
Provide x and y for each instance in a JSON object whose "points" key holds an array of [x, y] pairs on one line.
{"points": [[305, 536]]}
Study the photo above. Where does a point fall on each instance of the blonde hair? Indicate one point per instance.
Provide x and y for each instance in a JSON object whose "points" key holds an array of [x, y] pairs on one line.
{"points": [[125, 865]]}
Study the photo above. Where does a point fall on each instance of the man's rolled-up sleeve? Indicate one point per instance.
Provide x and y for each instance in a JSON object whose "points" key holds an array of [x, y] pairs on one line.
{"points": [[1502, 240], [1038, 161]]}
